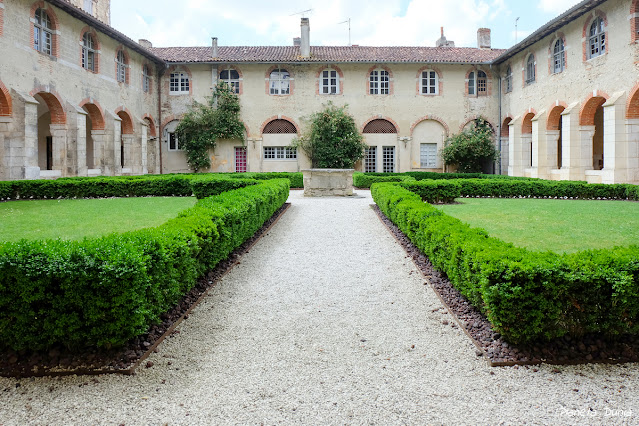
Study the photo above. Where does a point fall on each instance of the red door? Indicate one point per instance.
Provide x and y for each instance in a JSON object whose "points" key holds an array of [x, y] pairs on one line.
{"points": [[240, 159]]}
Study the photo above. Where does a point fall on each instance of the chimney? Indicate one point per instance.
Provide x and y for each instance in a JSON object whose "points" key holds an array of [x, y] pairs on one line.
{"points": [[297, 41], [483, 38], [145, 43], [305, 47], [214, 52], [442, 42]]}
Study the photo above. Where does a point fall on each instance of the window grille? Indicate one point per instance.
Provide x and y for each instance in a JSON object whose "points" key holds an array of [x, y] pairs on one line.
{"points": [[380, 126], [370, 159], [388, 159], [280, 153], [279, 127]]}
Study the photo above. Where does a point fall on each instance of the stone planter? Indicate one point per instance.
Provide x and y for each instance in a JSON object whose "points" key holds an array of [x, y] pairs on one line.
{"points": [[328, 182]]}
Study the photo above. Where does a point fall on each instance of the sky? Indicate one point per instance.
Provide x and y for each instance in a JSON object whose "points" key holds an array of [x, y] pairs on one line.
{"points": [[372, 22]]}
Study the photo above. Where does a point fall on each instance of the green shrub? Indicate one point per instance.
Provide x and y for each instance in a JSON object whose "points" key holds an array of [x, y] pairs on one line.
{"points": [[527, 296], [207, 187], [365, 180], [434, 191], [102, 292]]}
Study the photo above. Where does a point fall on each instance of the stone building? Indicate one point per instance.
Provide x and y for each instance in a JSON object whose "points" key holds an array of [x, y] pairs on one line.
{"points": [[80, 98]]}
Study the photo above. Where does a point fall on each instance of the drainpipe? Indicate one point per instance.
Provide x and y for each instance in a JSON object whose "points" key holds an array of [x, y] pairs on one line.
{"points": [[160, 127], [499, 125]]}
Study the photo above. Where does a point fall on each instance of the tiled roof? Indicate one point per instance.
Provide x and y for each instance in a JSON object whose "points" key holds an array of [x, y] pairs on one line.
{"points": [[291, 54]]}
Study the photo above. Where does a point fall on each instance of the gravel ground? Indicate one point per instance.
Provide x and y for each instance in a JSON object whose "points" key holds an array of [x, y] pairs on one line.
{"points": [[325, 321]]}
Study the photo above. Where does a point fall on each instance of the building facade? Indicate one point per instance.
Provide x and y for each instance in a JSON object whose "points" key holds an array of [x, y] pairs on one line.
{"points": [[78, 98]]}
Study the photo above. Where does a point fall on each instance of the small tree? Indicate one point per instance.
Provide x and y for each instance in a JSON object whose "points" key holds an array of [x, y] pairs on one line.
{"points": [[332, 141], [471, 149], [204, 124]]}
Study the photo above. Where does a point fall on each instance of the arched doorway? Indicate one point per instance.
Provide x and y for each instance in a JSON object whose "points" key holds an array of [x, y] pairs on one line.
{"points": [[126, 140], [51, 137], [526, 140], [94, 135], [554, 134], [428, 140], [277, 156], [381, 137], [592, 114], [504, 137]]}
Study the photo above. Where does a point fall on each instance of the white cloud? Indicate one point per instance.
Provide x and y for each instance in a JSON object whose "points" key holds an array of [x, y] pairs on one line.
{"points": [[556, 7]]}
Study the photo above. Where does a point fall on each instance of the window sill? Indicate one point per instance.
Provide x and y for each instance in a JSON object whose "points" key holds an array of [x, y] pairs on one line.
{"points": [[179, 93], [281, 159]]}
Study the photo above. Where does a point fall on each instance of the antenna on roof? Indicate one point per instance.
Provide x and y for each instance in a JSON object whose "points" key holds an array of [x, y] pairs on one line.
{"points": [[348, 21], [516, 29], [303, 13]]}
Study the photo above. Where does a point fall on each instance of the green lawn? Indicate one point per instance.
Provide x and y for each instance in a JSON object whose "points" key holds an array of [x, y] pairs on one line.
{"points": [[556, 225], [76, 219]]}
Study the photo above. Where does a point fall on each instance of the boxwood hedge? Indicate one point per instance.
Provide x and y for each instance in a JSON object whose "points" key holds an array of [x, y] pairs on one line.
{"points": [[365, 180], [527, 296], [102, 292]]}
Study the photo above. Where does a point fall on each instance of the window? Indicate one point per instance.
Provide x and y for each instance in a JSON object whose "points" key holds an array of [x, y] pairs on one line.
{"points": [[280, 153], [379, 82], [509, 79], [597, 38], [428, 155], [88, 53], [429, 83], [388, 159], [179, 82], [482, 83], [121, 66], [530, 69], [329, 82], [232, 78], [279, 82], [370, 159], [471, 83], [42, 32], [558, 58], [174, 143], [146, 79]]}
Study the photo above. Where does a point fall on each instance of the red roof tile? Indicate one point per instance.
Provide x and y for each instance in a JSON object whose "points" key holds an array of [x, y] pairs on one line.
{"points": [[368, 54]]}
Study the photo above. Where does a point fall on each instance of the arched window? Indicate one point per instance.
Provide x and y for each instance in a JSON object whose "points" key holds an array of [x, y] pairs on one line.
{"points": [[42, 32], [379, 82], [597, 38], [509, 79], [279, 82], [329, 82], [178, 83], [121, 66], [558, 57], [146, 78], [429, 83], [232, 78], [88, 53], [530, 69]]}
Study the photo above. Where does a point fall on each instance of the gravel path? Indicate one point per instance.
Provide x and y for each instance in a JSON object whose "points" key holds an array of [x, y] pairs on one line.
{"points": [[325, 321]]}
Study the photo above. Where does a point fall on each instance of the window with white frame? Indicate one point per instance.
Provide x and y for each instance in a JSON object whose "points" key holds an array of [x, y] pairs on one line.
{"points": [[232, 78], [174, 143], [280, 153], [179, 82], [379, 82], [42, 32], [121, 66], [146, 78], [530, 69], [329, 82], [279, 82], [429, 83], [482, 83], [509, 79], [370, 159], [471, 83], [558, 57], [597, 38], [428, 155], [88, 52], [388, 159]]}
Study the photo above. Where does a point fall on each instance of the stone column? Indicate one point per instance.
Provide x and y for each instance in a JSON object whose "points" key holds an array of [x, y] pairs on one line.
{"points": [[632, 130], [24, 154], [144, 169], [615, 140], [80, 154], [99, 159], [117, 143], [59, 135], [515, 166], [129, 166], [572, 167], [504, 155]]}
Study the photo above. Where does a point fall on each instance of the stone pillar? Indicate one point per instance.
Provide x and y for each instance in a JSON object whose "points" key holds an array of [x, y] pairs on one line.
{"points": [[130, 163], [80, 154], [632, 130], [572, 152], [5, 123], [537, 146], [504, 155], [615, 140], [144, 168], [515, 166], [552, 141], [117, 143], [59, 135], [99, 158], [24, 153]]}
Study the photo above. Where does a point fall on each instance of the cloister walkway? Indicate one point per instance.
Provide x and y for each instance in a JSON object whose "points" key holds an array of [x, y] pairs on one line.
{"points": [[324, 321]]}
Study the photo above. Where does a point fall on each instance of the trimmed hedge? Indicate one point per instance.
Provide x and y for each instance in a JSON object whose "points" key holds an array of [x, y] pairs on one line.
{"points": [[296, 178], [102, 292], [527, 296], [437, 176], [435, 191], [365, 180]]}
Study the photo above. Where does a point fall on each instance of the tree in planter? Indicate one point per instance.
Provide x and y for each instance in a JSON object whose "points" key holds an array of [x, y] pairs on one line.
{"points": [[471, 149], [204, 124], [332, 140]]}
